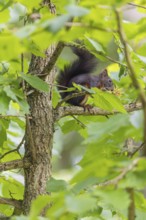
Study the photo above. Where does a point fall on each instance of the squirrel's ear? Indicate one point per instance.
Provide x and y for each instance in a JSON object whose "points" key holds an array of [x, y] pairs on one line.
{"points": [[104, 73]]}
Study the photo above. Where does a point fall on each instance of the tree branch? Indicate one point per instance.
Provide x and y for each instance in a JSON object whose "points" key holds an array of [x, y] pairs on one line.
{"points": [[53, 59], [131, 208], [75, 110], [2, 217], [50, 5], [126, 170], [136, 5], [13, 202], [132, 73], [136, 149], [14, 164]]}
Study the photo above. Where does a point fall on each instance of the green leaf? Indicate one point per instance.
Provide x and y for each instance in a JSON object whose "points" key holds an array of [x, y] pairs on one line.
{"points": [[80, 204], [24, 105], [107, 101], [36, 82], [18, 10], [7, 44], [4, 102], [38, 205], [54, 185], [100, 130], [4, 67], [21, 217], [122, 71], [5, 4], [18, 97], [140, 201], [117, 199], [75, 11], [70, 125], [137, 178], [85, 184], [25, 31], [95, 45], [54, 25], [30, 4], [112, 50], [9, 184], [34, 48], [80, 88], [10, 93], [3, 131], [5, 14]]}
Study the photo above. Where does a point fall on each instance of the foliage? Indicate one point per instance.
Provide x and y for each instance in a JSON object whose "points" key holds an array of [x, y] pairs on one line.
{"points": [[99, 151]]}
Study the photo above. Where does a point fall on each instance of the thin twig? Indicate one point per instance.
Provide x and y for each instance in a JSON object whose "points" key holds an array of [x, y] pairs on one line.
{"points": [[79, 122], [113, 61], [68, 97], [126, 170], [14, 150], [22, 62], [136, 5], [132, 73], [131, 154]]}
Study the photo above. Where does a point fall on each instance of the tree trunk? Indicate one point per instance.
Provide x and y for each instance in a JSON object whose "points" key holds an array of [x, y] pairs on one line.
{"points": [[39, 135]]}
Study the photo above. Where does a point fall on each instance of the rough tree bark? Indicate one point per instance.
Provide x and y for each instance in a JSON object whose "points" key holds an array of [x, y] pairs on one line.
{"points": [[39, 135]]}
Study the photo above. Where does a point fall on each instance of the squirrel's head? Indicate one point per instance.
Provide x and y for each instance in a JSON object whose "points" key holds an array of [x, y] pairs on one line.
{"points": [[106, 81]]}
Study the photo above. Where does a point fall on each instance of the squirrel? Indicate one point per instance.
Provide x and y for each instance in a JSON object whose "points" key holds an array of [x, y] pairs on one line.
{"points": [[79, 72]]}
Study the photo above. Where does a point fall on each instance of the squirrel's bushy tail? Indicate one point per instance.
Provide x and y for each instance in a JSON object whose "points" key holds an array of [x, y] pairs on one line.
{"points": [[85, 64]]}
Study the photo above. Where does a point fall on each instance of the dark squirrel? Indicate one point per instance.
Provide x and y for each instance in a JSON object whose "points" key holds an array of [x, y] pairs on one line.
{"points": [[79, 72]]}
